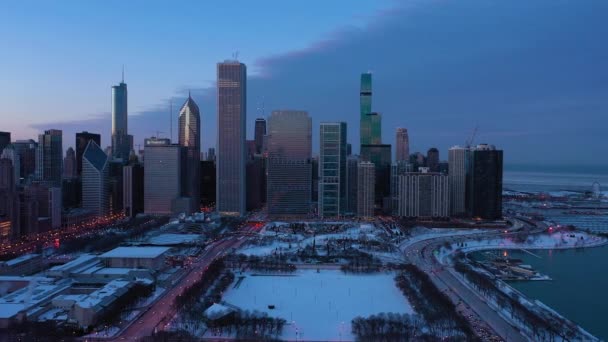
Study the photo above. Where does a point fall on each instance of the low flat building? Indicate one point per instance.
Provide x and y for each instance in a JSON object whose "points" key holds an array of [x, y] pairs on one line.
{"points": [[24, 265], [136, 257]]}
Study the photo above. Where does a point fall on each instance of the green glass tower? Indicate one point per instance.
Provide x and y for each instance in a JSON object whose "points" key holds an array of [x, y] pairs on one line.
{"points": [[370, 122]]}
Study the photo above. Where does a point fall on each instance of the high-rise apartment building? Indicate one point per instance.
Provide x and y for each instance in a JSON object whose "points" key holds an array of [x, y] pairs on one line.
{"points": [[95, 175], [82, 141], [122, 142], [332, 169], [69, 164], [423, 195], [458, 159], [231, 123], [485, 182], [366, 180], [402, 145], [49, 157], [289, 163], [190, 139]]}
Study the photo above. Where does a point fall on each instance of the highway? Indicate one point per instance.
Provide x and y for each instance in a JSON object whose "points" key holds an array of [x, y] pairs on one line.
{"points": [[158, 315], [471, 304]]}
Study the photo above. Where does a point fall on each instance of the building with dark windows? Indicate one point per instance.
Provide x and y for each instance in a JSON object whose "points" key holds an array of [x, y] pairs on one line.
{"points": [[380, 156], [255, 181], [367, 134], [115, 185], [49, 157], [95, 177], [259, 133], [208, 179], [190, 140], [289, 163], [11, 154], [231, 126], [133, 189], [365, 189], [352, 164], [5, 140], [26, 149], [432, 159], [458, 159], [69, 164], [485, 183], [332, 169], [82, 140], [122, 142]]}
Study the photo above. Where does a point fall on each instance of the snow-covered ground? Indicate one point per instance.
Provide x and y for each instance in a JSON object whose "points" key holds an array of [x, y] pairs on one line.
{"points": [[421, 234], [319, 306]]}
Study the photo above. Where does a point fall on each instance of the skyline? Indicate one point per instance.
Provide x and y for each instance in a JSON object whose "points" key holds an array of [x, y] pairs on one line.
{"points": [[553, 73]]}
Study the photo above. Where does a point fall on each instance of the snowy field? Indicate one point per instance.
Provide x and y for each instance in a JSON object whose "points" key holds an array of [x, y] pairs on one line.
{"points": [[319, 306]]}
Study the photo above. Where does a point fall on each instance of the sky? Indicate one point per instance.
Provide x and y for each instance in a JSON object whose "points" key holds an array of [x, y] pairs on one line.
{"points": [[531, 75]]}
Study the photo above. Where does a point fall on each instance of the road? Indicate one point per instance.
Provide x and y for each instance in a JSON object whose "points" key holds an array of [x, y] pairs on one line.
{"points": [[473, 306], [157, 316]]}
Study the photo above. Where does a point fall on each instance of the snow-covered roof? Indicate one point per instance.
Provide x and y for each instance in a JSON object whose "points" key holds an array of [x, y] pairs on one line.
{"points": [[216, 311], [21, 259], [173, 239], [135, 252]]}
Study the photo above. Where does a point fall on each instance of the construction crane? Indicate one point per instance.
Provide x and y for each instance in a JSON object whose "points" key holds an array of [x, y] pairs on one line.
{"points": [[469, 141]]}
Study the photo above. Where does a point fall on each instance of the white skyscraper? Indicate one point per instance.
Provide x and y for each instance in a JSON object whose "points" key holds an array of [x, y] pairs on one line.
{"points": [[95, 186], [423, 194]]}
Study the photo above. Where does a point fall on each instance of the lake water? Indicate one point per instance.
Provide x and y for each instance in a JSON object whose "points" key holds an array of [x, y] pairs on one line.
{"points": [[579, 289]]}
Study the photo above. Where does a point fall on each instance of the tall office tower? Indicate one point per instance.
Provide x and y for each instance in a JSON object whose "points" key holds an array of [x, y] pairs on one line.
{"points": [[82, 140], [485, 182], [95, 176], [366, 180], [133, 189], [375, 123], [211, 154], [458, 159], [5, 139], [255, 181], [365, 104], [29, 211], [332, 169], [423, 195], [380, 156], [352, 163], [49, 157], [163, 174], [49, 205], [11, 154], [231, 119], [115, 185], [260, 132], [349, 149], [432, 159], [9, 198], [69, 164], [289, 163], [402, 142], [208, 179], [190, 139], [26, 149], [314, 189], [122, 143], [71, 193]]}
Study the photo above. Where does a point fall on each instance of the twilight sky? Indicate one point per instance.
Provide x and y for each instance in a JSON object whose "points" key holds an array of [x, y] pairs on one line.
{"points": [[533, 75]]}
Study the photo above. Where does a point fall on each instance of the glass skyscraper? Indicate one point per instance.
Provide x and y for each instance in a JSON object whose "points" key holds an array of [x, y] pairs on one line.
{"points": [[49, 161], [370, 122], [289, 163], [231, 151], [121, 141], [332, 169], [190, 139]]}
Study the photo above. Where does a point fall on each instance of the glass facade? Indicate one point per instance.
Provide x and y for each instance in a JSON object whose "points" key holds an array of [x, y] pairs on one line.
{"points": [[332, 169], [366, 108]]}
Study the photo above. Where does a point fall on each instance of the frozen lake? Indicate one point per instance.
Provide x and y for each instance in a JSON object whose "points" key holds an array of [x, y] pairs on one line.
{"points": [[319, 306]]}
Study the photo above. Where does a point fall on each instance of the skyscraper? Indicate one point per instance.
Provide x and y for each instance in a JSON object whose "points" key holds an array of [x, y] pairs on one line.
{"points": [[375, 123], [82, 140], [121, 141], [423, 195], [163, 175], [133, 189], [190, 139], [289, 163], [485, 185], [5, 139], [26, 149], [9, 199], [69, 164], [365, 104], [432, 159], [402, 142], [366, 189], [380, 156], [458, 159], [95, 168], [332, 169], [260, 132], [11, 154], [231, 119], [49, 160], [352, 164]]}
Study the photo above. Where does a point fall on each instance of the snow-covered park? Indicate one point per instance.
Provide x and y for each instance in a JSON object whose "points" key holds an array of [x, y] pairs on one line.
{"points": [[318, 306]]}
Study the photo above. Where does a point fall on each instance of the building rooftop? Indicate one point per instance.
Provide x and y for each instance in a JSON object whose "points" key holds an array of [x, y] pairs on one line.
{"points": [[20, 259], [135, 252]]}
